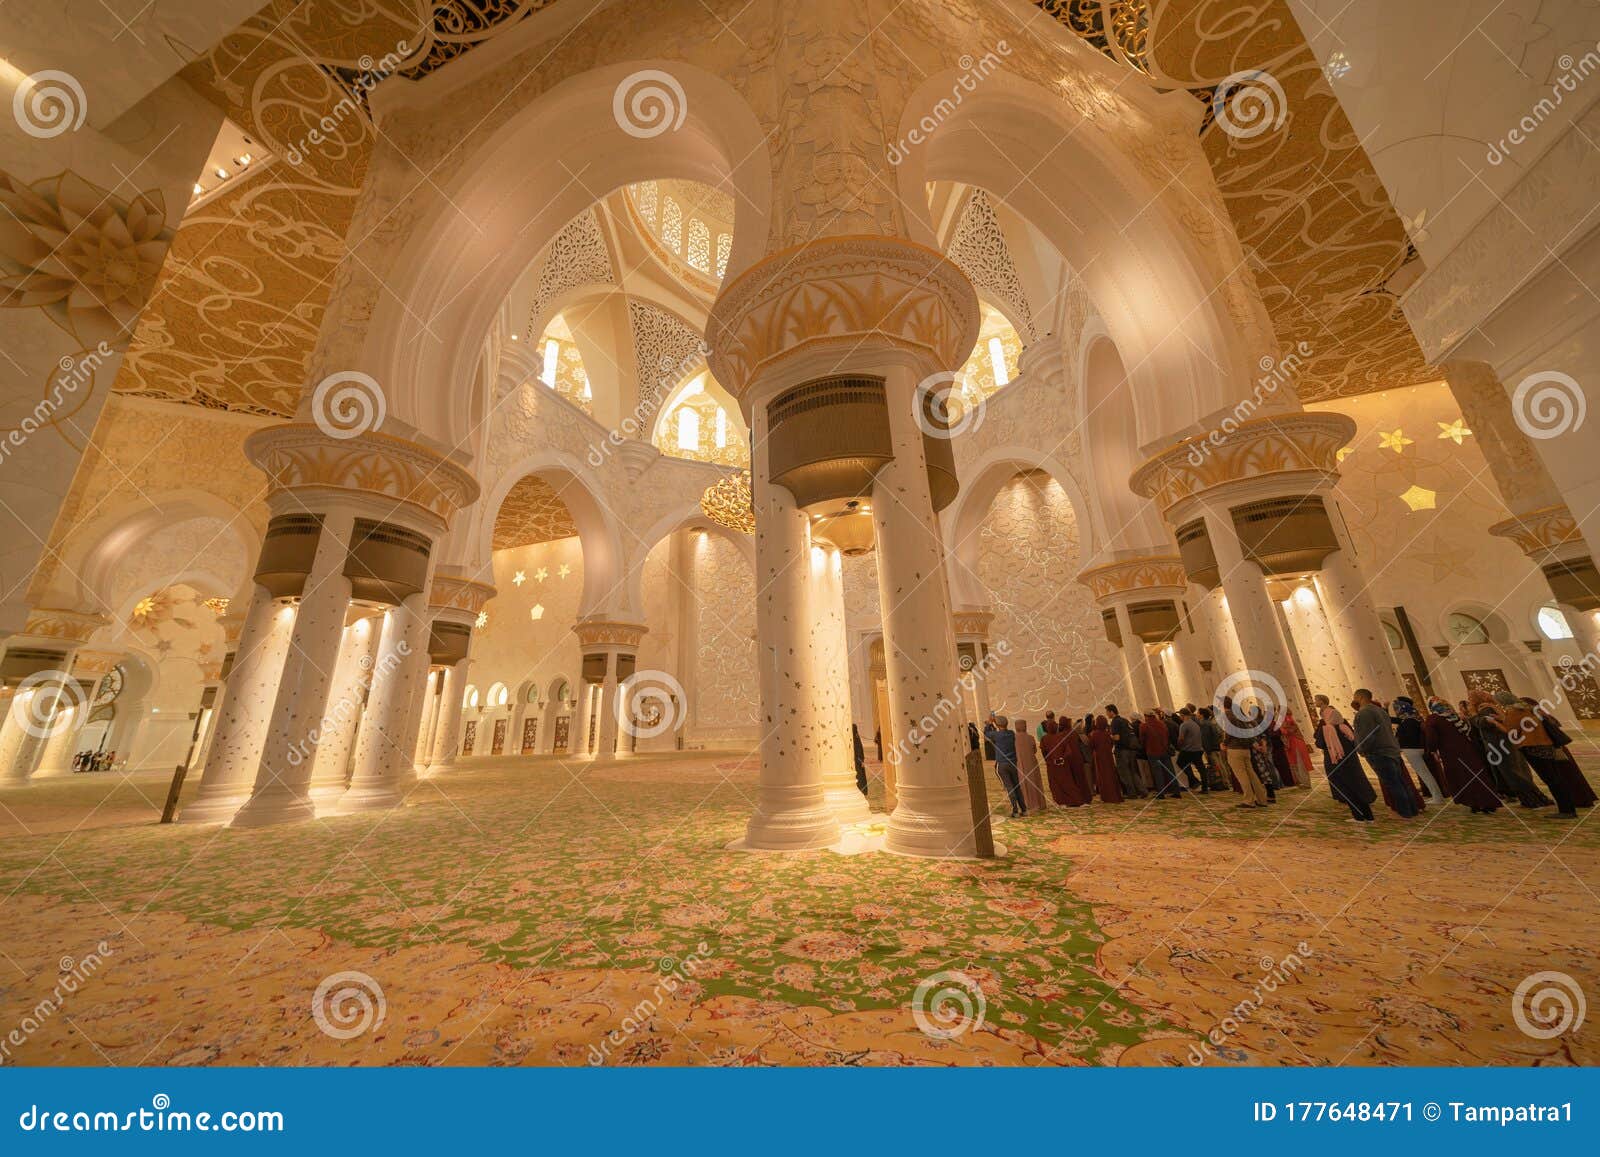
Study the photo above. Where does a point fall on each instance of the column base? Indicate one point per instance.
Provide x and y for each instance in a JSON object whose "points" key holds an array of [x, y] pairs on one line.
{"points": [[216, 808], [848, 805], [933, 822], [279, 806], [793, 819], [374, 796], [434, 769]]}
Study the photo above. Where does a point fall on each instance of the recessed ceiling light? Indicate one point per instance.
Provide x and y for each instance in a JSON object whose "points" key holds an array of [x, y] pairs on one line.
{"points": [[222, 174], [243, 160]]}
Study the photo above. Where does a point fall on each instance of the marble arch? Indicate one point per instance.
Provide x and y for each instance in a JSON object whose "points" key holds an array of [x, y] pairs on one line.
{"points": [[1127, 521], [1165, 302], [684, 517], [982, 480], [499, 211]]}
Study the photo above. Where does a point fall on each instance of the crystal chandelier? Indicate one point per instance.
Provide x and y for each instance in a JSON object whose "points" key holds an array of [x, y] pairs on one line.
{"points": [[728, 503]]}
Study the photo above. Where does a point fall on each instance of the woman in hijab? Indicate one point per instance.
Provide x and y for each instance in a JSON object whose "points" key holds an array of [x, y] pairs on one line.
{"points": [[1582, 794], [1080, 758], [1060, 751], [1408, 734], [1533, 743], [1105, 766], [1295, 749], [1448, 741], [1505, 765], [1028, 768], [1346, 780]]}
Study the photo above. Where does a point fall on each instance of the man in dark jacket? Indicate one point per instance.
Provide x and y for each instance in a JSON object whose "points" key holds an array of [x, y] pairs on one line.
{"points": [[1004, 739]]}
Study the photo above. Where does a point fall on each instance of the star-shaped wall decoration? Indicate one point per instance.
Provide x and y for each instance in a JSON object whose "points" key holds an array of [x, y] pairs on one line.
{"points": [[1343, 452], [483, 619], [1455, 431], [541, 574], [536, 612], [518, 579], [1394, 440], [564, 571], [1419, 498]]}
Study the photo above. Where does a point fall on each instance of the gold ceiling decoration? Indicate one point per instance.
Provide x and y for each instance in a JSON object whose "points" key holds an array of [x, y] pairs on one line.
{"points": [[728, 503], [532, 512], [1309, 209]]}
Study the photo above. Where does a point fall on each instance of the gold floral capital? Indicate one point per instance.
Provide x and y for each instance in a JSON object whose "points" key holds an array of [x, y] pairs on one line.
{"points": [[456, 593], [299, 456], [93, 664], [70, 626], [607, 633], [1163, 573], [1298, 443], [841, 291], [1539, 531], [972, 624]]}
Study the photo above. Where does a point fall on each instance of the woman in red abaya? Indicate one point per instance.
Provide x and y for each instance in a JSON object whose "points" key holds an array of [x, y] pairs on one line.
{"points": [[1059, 752], [1105, 767], [1458, 762]]}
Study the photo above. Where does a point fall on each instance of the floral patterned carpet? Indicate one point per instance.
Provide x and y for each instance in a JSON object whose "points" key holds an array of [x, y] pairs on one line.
{"points": [[537, 912]]}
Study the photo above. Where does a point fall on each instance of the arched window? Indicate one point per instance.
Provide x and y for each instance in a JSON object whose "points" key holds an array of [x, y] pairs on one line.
{"points": [[552, 361], [722, 428], [647, 201], [1392, 634], [688, 429], [672, 225], [498, 695], [1466, 630], [997, 362], [470, 699], [724, 247], [699, 253], [1553, 624]]}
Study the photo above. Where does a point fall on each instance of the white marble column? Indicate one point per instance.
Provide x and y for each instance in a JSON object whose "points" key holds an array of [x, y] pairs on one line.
{"points": [[832, 689], [1363, 643], [1254, 617], [330, 771], [606, 730], [282, 786], [447, 733], [1317, 646], [248, 693], [1141, 680], [791, 809], [383, 772], [430, 722], [56, 757], [933, 815]]}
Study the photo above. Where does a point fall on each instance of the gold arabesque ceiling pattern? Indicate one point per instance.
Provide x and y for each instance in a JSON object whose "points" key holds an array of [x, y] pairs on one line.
{"points": [[241, 296], [532, 512]]}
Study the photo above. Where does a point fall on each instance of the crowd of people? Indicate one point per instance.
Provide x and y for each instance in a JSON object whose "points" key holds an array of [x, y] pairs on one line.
{"points": [[94, 761], [1488, 753]]}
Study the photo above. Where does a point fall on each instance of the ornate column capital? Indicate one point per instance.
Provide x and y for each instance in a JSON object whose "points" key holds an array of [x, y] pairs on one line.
{"points": [[389, 472], [1542, 533], [63, 625], [844, 293], [455, 596], [1125, 580], [609, 633], [972, 624], [1294, 451]]}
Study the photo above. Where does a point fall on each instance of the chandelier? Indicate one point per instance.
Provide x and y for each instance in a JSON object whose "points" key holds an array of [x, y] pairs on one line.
{"points": [[728, 503]]}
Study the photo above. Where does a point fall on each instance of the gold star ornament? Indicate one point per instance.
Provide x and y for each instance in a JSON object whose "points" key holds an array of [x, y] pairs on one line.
{"points": [[1394, 440], [1455, 431], [1419, 498]]}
